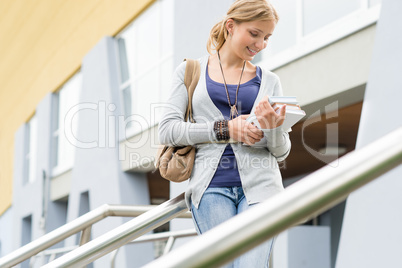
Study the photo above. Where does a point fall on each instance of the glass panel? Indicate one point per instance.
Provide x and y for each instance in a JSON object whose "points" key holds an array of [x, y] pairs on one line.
{"points": [[318, 13], [148, 38], [68, 100], [27, 140], [124, 72], [285, 33], [145, 95], [33, 135], [62, 139], [63, 109], [150, 62], [55, 159], [166, 73], [55, 128], [55, 111], [130, 47], [166, 23], [127, 101], [374, 2], [26, 236]]}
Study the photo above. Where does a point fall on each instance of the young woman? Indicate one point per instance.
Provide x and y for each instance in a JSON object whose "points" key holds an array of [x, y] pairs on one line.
{"points": [[230, 174]]}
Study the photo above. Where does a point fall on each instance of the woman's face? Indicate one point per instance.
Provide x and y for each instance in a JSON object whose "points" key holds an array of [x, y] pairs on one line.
{"points": [[249, 38]]}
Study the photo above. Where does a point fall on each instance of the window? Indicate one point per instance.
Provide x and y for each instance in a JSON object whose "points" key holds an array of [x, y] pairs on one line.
{"points": [[317, 13], [146, 64], [30, 150], [26, 235], [308, 25], [66, 99], [285, 34], [26, 231], [374, 2]]}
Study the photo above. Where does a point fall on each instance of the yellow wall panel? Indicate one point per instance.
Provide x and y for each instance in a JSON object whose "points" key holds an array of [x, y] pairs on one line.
{"points": [[42, 44]]}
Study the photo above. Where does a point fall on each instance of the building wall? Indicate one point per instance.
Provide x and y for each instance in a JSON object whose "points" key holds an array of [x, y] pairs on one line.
{"points": [[42, 45], [29, 198], [96, 177], [371, 232], [332, 74], [6, 232], [333, 70]]}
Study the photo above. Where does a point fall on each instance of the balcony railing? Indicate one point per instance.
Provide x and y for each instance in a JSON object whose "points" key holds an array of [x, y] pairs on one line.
{"points": [[311, 196], [84, 223]]}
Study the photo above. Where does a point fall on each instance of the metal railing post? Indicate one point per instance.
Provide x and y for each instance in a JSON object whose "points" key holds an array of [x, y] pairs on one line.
{"points": [[85, 235], [169, 245], [155, 237]]}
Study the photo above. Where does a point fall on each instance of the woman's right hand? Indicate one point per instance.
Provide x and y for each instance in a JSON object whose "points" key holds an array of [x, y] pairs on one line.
{"points": [[243, 131]]}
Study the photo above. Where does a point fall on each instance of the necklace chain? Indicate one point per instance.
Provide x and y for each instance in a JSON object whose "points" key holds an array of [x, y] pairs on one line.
{"points": [[233, 109]]}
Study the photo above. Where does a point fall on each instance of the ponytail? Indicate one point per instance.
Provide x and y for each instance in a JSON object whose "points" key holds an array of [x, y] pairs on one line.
{"points": [[217, 36], [240, 11]]}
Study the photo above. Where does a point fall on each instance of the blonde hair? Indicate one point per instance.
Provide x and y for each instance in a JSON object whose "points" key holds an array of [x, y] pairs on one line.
{"points": [[240, 11]]}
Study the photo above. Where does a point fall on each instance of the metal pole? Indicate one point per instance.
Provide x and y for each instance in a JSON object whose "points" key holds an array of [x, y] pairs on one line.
{"points": [[85, 235], [71, 228], [308, 197], [53, 237], [169, 245], [51, 253], [155, 237], [122, 235]]}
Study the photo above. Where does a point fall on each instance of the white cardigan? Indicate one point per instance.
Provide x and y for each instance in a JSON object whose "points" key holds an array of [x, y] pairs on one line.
{"points": [[258, 167]]}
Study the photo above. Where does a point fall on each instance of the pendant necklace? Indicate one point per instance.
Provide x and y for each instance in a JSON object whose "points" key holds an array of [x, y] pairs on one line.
{"points": [[233, 109]]}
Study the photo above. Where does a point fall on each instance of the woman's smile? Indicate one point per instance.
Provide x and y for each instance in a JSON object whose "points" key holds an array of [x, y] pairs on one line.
{"points": [[252, 52]]}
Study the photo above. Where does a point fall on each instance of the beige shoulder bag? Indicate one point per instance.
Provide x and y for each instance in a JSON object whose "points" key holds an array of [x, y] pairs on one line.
{"points": [[176, 163]]}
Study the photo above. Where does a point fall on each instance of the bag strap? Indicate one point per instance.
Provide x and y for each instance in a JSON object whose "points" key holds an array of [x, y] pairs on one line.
{"points": [[191, 77]]}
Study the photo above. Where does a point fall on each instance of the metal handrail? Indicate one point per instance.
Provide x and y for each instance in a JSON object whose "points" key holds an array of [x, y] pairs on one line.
{"points": [[51, 253], [308, 197], [82, 223], [123, 234], [311, 196], [170, 236]]}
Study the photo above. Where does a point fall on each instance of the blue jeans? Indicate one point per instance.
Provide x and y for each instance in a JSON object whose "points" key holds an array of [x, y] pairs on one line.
{"points": [[220, 204]]}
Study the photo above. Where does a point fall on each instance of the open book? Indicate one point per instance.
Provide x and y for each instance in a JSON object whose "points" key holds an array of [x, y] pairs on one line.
{"points": [[293, 114]]}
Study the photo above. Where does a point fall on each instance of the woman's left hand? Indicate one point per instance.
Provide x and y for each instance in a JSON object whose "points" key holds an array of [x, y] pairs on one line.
{"points": [[266, 115]]}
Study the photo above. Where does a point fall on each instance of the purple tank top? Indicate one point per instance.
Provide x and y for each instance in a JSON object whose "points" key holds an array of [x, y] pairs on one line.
{"points": [[227, 174]]}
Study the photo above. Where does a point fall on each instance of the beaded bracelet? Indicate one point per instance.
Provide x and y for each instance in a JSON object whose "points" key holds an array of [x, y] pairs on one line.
{"points": [[221, 129]]}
